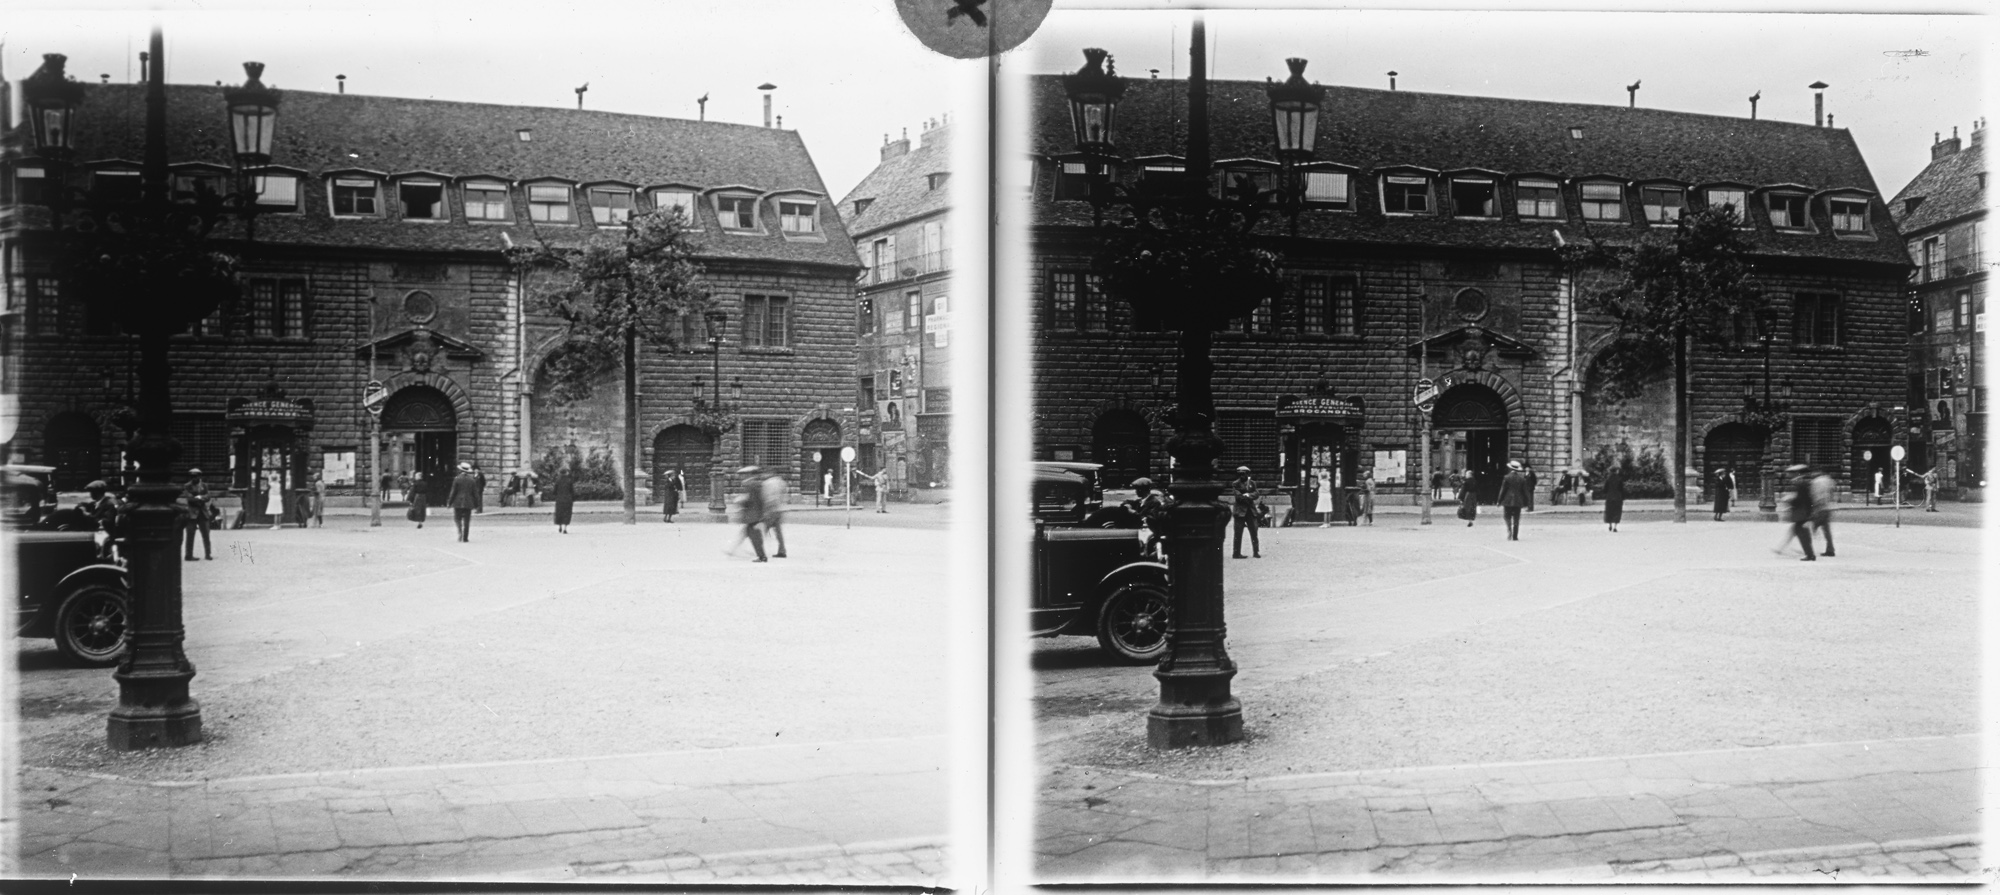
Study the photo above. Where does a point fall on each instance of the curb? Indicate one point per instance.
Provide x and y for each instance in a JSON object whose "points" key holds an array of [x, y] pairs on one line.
{"points": [[758, 857]]}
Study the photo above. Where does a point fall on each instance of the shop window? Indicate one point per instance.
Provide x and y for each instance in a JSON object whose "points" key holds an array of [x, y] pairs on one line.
{"points": [[1474, 197], [1537, 199], [355, 197], [1601, 201], [1157, 171], [487, 201], [1406, 194], [1663, 204], [423, 200], [549, 203], [767, 321]]}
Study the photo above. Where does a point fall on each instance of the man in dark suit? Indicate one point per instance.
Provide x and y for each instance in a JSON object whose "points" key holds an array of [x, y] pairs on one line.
{"points": [[195, 495], [464, 496], [1515, 493], [1243, 511]]}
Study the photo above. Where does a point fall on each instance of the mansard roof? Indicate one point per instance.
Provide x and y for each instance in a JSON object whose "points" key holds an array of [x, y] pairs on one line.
{"points": [[320, 133], [900, 187], [1950, 188], [1378, 130]]}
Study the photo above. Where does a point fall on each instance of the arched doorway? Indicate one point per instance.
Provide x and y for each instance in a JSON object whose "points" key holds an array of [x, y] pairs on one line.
{"points": [[1121, 441], [1738, 448], [421, 431], [1871, 457], [75, 447], [819, 456], [690, 450], [1470, 422]]}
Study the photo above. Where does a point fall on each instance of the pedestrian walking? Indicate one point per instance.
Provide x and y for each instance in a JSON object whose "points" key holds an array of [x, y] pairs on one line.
{"points": [[747, 510], [195, 495], [1437, 484], [1312, 496], [274, 498], [1799, 512], [463, 499], [1582, 485], [1368, 495], [880, 483], [420, 503], [1243, 511], [479, 489], [1329, 490], [1515, 494], [1822, 508], [319, 500], [388, 482], [1614, 497], [1725, 489], [1528, 472], [1468, 497], [775, 500], [407, 482], [670, 494], [565, 497]]}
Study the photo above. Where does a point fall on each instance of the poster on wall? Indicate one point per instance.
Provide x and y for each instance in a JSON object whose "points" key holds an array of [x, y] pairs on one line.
{"points": [[1390, 467], [338, 467]]}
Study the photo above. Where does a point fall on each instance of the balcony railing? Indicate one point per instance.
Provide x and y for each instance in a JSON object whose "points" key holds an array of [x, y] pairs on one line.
{"points": [[905, 268]]}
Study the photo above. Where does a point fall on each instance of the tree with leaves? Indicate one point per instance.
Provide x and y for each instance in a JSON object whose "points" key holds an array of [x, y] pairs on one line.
{"points": [[1664, 294], [610, 295]]}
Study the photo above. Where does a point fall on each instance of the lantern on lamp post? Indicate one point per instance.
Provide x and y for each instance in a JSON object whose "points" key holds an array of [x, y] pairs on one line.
{"points": [[1295, 107], [1094, 93]]}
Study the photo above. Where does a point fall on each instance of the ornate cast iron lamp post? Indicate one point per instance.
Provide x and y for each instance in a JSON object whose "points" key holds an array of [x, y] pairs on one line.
{"points": [[151, 265], [713, 414], [1187, 261], [1766, 413]]}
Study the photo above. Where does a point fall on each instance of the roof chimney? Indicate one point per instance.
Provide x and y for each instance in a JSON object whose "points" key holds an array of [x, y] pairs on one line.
{"points": [[342, 81], [1942, 148], [1978, 131], [767, 87], [1632, 95], [1819, 102], [1754, 97], [894, 148], [1392, 80]]}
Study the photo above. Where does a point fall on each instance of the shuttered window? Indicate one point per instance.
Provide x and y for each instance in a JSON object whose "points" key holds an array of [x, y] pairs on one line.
{"points": [[1816, 441], [767, 443]]}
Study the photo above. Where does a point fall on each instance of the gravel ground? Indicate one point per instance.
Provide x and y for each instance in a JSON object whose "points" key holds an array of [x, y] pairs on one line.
{"points": [[1741, 651]]}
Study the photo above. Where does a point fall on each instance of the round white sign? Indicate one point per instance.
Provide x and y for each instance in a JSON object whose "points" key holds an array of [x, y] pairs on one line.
{"points": [[847, 454], [1896, 453]]}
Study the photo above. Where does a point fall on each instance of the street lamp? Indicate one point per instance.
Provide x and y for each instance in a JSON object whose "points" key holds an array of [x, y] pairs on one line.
{"points": [[716, 322], [1766, 413], [1188, 262], [157, 273], [1295, 107]]}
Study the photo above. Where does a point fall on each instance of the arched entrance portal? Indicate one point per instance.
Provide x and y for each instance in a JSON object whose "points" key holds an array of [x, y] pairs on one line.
{"points": [[689, 450], [1470, 424], [1121, 441], [1738, 448], [1871, 457], [74, 446], [421, 432], [819, 456]]}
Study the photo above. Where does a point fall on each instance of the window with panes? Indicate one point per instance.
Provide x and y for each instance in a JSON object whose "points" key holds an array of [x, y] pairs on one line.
{"points": [[913, 304], [355, 196], [485, 201], [1663, 204], [1788, 210], [422, 200], [610, 207], [1849, 215], [1537, 199], [31, 185], [1601, 201], [1074, 179], [45, 306], [277, 192], [1406, 194], [1312, 304], [1233, 181], [1816, 319], [864, 316], [767, 321], [1736, 200], [1474, 197], [767, 443], [192, 186], [1933, 260], [675, 200], [798, 218], [1063, 288], [548, 202], [115, 185], [737, 212], [1329, 188], [1816, 441]]}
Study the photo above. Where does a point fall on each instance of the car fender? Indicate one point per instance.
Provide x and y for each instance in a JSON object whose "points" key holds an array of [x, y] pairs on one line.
{"points": [[1145, 571], [98, 573]]}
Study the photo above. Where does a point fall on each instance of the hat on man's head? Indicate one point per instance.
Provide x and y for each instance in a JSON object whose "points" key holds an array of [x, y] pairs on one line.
{"points": [[1796, 467], [96, 485], [195, 471], [464, 467], [1142, 483], [746, 470], [1513, 464], [1243, 469]]}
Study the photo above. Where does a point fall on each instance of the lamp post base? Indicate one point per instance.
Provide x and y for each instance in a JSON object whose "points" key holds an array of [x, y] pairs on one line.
{"points": [[1195, 709], [149, 727]]}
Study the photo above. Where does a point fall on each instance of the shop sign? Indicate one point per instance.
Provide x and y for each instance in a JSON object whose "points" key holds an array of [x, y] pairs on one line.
{"points": [[270, 411], [1321, 407]]}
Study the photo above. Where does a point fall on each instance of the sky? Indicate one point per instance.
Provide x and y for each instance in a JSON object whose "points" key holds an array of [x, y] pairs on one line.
{"points": [[1893, 80], [847, 72]]}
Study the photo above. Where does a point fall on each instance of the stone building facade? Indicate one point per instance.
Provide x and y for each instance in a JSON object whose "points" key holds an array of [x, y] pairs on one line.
{"points": [[381, 257], [900, 217], [1427, 250], [1943, 215]]}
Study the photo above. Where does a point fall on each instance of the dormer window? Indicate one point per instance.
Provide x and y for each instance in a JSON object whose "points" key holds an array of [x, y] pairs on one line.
{"points": [[798, 218], [1537, 199], [672, 200], [610, 206], [1663, 204], [1406, 194], [115, 185], [1787, 210], [190, 186], [486, 200], [1718, 197], [1076, 178], [861, 205], [356, 196], [1332, 189], [1850, 214], [938, 179], [737, 212], [422, 200], [31, 185], [1602, 201], [549, 202], [1474, 197], [1237, 179], [276, 192]]}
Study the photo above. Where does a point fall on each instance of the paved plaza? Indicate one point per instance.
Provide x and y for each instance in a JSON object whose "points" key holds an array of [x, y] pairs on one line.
{"points": [[619, 703], [1436, 703]]}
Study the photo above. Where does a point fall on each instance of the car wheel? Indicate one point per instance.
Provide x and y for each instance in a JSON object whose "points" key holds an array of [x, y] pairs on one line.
{"points": [[92, 625], [1132, 624]]}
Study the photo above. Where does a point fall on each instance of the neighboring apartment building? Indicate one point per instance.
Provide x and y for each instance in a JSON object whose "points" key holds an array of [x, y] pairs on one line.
{"points": [[1427, 250], [900, 218], [381, 257], [1943, 215]]}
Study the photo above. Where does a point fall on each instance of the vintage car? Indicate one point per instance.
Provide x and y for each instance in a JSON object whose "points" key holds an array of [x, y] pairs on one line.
{"points": [[66, 590], [1092, 572]]}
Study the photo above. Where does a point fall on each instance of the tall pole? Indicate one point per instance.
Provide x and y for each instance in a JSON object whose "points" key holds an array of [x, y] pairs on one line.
{"points": [[1195, 707], [154, 708], [1424, 484], [375, 433]]}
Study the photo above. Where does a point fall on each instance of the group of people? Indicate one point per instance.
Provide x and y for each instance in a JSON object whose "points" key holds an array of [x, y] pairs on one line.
{"points": [[760, 509], [1809, 508], [1517, 494]]}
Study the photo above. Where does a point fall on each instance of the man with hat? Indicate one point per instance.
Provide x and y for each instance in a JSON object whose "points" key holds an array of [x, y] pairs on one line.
{"points": [[749, 507], [1243, 511], [775, 500], [1515, 493], [463, 497], [102, 509], [1799, 511], [195, 495]]}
